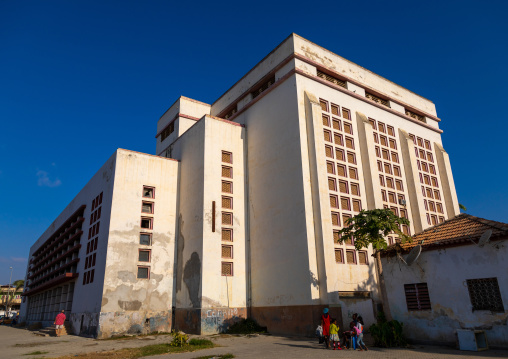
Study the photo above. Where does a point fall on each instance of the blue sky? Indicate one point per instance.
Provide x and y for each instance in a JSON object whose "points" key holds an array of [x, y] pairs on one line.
{"points": [[79, 79]]}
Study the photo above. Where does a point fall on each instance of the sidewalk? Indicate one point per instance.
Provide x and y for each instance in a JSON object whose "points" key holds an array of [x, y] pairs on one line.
{"points": [[17, 343]]}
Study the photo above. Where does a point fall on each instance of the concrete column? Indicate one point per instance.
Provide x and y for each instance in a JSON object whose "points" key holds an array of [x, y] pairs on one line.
{"points": [[448, 185], [419, 218]]}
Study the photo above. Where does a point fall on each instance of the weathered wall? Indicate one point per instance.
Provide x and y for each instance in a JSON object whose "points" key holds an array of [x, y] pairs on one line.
{"points": [[130, 304], [445, 272]]}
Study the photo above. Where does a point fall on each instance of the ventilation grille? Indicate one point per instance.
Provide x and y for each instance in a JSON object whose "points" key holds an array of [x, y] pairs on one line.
{"points": [[332, 79], [227, 268], [415, 115], [263, 87], [227, 252], [377, 99]]}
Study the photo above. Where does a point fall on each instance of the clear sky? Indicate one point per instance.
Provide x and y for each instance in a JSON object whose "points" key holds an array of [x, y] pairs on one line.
{"points": [[79, 79]]}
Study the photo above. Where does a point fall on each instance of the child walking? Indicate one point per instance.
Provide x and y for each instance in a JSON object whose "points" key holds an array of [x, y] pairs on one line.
{"points": [[334, 334], [359, 331]]}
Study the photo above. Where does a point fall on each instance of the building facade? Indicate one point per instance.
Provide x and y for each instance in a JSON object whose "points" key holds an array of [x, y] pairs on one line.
{"points": [[248, 196], [456, 283]]}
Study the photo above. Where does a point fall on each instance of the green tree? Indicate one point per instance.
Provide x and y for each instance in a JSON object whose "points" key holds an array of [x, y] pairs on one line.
{"points": [[370, 227]]}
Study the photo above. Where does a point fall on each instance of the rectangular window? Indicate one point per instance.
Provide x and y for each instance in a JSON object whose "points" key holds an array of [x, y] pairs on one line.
{"points": [[227, 187], [327, 135], [336, 124], [148, 192], [93, 259], [398, 184], [324, 105], [227, 202], [146, 223], [227, 218], [350, 143], [395, 157], [343, 187], [336, 236], [227, 172], [389, 182], [227, 251], [346, 114], [383, 140], [350, 257], [351, 158], [341, 170], [144, 255], [388, 168], [227, 269], [355, 189], [326, 121], [339, 256], [417, 297], [335, 110], [335, 219], [227, 157], [330, 168], [396, 171], [147, 207], [334, 201], [337, 138], [332, 184], [339, 154], [344, 203], [391, 131], [345, 218], [348, 128], [353, 173], [393, 144], [145, 239], [386, 154], [143, 273], [227, 234], [329, 151], [362, 257], [357, 205]]}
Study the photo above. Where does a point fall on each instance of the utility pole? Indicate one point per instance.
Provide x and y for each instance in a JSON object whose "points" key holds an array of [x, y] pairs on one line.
{"points": [[8, 309]]}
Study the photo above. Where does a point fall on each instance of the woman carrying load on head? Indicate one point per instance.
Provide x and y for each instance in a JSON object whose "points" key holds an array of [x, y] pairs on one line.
{"points": [[325, 323]]}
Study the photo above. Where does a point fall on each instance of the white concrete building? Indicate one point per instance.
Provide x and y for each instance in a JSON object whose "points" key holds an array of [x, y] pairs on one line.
{"points": [[249, 195], [456, 283]]}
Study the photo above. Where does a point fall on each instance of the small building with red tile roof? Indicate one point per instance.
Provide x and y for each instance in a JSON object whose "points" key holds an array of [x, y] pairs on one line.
{"points": [[459, 281]]}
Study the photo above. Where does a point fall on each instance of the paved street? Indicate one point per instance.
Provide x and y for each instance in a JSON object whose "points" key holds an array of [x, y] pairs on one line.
{"points": [[16, 343]]}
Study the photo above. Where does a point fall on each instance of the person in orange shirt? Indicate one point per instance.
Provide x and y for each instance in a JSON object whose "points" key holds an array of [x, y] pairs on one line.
{"points": [[59, 322]]}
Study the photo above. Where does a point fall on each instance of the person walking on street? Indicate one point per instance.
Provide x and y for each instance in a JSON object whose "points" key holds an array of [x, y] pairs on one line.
{"points": [[59, 322], [325, 324]]}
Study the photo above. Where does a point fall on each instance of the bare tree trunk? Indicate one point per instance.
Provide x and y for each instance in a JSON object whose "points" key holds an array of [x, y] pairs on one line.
{"points": [[382, 287]]}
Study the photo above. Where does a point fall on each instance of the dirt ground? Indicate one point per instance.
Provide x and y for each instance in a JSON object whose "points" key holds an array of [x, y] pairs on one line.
{"points": [[20, 343]]}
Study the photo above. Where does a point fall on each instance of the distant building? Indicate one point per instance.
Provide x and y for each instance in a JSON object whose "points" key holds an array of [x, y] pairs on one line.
{"points": [[7, 292], [237, 214], [456, 283]]}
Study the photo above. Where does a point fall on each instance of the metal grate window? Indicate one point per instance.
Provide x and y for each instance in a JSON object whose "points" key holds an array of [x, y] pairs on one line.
{"points": [[417, 296], [227, 157], [227, 234], [329, 151], [227, 251], [227, 268], [263, 87], [227, 202], [327, 135], [377, 99], [336, 236], [355, 189], [353, 173], [227, 187], [335, 219], [227, 218], [334, 202], [337, 138], [335, 110], [326, 121], [339, 257], [344, 203], [332, 79], [357, 205], [346, 114], [351, 158], [227, 172], [350, 257], [339, 154], [362, 257], [415, 115], [348, 128], [330, 167], [341, 170], [324, 105], [350, 143], [332, 184], [343, 187], [336, 124], [485, 294]]}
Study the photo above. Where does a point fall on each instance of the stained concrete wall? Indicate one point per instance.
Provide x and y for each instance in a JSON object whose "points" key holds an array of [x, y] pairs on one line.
{"points": [[130, 304], [445, 272]]}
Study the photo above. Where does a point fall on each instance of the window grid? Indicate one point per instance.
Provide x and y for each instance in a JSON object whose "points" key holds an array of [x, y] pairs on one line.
{"points": [[390, 173], [428, 179], [341, 160], [227, 217]]}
